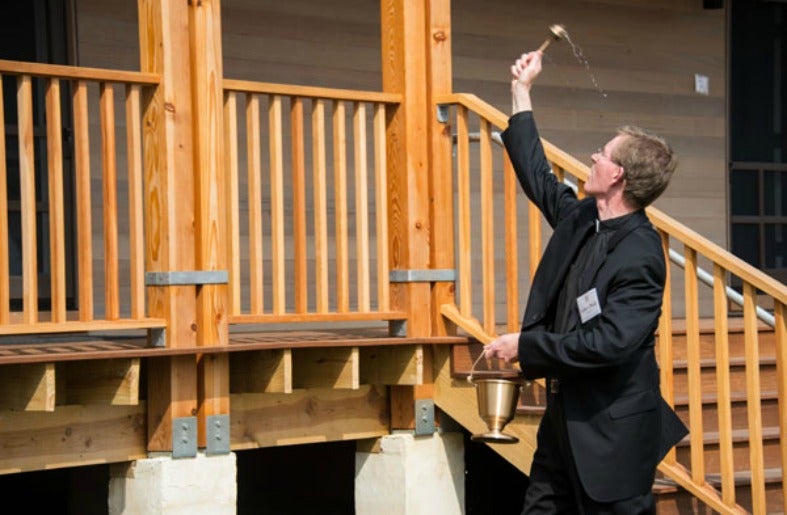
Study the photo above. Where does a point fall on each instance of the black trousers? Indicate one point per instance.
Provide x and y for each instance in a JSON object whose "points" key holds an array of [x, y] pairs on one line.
{"points": [[555, 487]]}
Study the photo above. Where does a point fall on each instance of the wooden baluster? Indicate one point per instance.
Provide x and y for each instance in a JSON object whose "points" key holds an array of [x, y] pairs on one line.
{"points": [[780, 332], [135, 202], [723, 397], [465, 272], [510, 188], [319, 189], [298, 203], [27, 197], [254, 181], [361, 205], [277, 203], [381, 207], [232, 202], [753, 398], [693, 367], [340, 205], [487, 228], [57, 236], [84, 201], [109, 168]]}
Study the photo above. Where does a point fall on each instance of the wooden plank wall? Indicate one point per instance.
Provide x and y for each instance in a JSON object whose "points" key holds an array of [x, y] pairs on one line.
{"points": [[643, 56]]}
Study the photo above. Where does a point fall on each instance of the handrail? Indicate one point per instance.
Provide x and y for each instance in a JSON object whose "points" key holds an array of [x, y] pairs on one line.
{"points": [[755, 283], [474, 329], [60, 71], [733, 295], [687, 236], [270, 88]]}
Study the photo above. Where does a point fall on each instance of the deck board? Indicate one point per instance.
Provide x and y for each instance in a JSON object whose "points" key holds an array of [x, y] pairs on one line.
{"points": [[86, 347]]}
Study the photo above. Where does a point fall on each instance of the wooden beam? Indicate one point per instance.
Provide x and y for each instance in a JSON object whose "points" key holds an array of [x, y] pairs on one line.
{"points": [[326, 367], [71, 436], [394, 365], [27, 387], [106, 381], [263, 371], [308, 416]]}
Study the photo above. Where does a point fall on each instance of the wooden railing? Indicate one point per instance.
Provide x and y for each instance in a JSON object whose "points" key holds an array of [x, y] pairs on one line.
{"points": [[482, 168], [114, 300], [282, 202]]}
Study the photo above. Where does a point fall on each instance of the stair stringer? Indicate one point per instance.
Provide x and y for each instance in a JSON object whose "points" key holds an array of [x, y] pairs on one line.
{"points": [[457, 398]]}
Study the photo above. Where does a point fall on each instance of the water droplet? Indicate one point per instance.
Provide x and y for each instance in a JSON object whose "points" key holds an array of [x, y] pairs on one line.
{"points": [[577, 50]]}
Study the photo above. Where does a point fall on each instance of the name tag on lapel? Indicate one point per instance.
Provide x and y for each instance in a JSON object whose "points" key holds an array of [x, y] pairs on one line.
{"points": [[588, 305]]}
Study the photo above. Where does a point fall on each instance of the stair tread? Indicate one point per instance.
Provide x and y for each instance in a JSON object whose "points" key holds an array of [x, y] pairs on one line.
{"points": [[708, 398], [738, 435], [743, 477]]}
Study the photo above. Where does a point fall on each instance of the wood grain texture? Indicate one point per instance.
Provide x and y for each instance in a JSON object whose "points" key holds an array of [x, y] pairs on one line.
{"points": [[308, 416], [71, 436]]}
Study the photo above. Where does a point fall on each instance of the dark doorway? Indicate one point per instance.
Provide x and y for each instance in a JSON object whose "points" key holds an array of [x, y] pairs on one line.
{"points": [[487, 474], [297, 479], [70, 491], [36, 31], [758, 145]]}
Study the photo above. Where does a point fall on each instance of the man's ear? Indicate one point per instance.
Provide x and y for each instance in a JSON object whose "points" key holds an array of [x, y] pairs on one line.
{"points": [[619, 176]]}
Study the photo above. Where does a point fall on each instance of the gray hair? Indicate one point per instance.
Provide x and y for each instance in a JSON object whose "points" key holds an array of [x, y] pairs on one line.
{"points": [[648, 163]]}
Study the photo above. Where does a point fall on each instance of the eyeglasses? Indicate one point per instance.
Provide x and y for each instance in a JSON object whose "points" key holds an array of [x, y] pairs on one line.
{"points": [[600, 152]]}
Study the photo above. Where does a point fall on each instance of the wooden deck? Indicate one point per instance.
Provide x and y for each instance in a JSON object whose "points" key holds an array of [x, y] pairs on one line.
{"points": [[21, 350]]}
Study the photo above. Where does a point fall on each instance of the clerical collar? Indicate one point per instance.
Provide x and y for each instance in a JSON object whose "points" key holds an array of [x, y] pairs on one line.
{"points": [[612, 224]]}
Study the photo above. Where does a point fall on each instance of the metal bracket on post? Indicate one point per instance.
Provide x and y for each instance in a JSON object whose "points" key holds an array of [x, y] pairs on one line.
{"points": [[218, 434], [157, 337], [186, 278], [184, 437], [422, 276], [424, 417], [442, 113], [399, 327]]}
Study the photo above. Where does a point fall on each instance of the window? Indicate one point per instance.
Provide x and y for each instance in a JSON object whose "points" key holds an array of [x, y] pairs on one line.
{"points": [[758, 145]]}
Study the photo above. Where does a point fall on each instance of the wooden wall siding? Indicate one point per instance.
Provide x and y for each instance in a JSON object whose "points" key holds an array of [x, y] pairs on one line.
{"points": [[642, 54]]}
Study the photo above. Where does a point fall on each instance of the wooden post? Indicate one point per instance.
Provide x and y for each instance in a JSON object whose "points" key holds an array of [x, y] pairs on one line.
{"points": [[406, 28], [441, 184], [211, 238], [404, 71], [169, 188]]}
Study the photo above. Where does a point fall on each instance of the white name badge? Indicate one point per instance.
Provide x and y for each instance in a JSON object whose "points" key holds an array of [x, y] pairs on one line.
{"points": [[588, 305]]}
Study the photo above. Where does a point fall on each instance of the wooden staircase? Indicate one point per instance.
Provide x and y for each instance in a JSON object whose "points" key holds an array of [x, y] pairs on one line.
{"points": [[672, 498], [456, 396]]}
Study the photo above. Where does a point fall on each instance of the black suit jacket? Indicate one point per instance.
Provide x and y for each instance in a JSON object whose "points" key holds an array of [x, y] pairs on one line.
{"points": [[618, 425]]}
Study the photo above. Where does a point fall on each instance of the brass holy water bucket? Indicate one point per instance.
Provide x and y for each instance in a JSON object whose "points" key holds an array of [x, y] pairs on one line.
{"points": [[498, 398]]}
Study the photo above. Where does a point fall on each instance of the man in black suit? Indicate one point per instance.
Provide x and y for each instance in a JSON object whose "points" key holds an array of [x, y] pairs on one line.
{"points": [[590, 322]]}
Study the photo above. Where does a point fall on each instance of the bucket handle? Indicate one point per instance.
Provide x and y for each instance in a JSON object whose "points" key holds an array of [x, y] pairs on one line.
{"points": [[472, 369], [472, 326]]}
